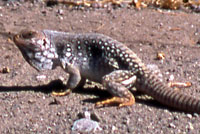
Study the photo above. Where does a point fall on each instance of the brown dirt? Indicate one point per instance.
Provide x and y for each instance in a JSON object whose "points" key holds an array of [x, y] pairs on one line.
{"points": [[25, 100]]}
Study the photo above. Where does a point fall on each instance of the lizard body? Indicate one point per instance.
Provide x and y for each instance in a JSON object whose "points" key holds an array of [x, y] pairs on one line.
{"points": [[101, 59]]}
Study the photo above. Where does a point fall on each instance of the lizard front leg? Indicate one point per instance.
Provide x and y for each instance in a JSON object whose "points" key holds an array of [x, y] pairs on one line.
{"points": [[116, 83], [73, 81]]}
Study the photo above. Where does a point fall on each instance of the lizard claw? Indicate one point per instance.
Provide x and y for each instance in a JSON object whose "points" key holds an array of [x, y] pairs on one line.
{"points": [[61, 93], [121, 101]]}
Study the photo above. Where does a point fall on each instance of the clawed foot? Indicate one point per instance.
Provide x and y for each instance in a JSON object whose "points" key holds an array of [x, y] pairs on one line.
{"points": [[121, 101], [61, 93]]}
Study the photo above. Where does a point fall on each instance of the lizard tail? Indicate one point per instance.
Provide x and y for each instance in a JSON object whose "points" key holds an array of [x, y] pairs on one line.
{"points": [[152, 86]]}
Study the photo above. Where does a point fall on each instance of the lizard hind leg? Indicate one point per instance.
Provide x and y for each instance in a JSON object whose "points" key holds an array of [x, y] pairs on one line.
{"points": [[116, 83]]}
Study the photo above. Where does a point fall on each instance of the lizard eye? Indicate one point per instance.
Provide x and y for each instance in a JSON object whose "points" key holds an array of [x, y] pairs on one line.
{"points": [[27, 34]]}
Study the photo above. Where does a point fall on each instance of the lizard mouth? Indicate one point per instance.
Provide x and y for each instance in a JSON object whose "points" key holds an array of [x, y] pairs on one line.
{"points": [[23, 38], [23, 44]]}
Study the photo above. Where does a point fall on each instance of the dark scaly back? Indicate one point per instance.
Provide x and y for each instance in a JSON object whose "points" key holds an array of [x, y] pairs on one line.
{"points": [[112, 51]]}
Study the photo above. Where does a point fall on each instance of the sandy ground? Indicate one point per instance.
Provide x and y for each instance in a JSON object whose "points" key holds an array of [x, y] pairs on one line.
{"points": [[26, 105]]}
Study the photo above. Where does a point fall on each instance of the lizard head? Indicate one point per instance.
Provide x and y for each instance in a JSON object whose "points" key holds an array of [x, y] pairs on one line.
{"points": [[36, 48]]}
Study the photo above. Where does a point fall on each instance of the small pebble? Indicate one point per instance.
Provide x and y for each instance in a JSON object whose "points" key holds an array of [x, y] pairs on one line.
{"points": [[189, 116], [60, 17], [5, 70], [41, 77], [171, 77], [176, 117], [44, 12], [114, 129], [171, 125], [86, 125], [60, 11], [160, 56], [196, 115], [190, 126], [61, 78]]}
